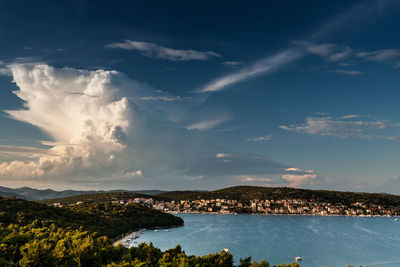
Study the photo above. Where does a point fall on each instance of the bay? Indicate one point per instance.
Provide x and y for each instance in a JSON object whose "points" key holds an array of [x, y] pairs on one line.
{"points": [[319, 240]]}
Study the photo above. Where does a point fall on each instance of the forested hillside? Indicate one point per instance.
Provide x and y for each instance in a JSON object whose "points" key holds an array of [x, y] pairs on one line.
{"points": [[34, 234], [104, 218], [97, 198], [246, 193]]}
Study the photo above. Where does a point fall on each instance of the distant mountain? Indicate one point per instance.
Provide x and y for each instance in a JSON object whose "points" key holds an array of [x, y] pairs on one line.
{"points": [[38, 194], [149, 192], [11, 194]]}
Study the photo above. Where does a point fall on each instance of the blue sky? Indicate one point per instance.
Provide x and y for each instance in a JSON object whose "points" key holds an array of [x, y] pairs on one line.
{"points": [[183, 95]]}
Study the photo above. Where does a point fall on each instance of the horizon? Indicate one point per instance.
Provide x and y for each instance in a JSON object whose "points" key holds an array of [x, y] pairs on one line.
{"points": [[187, 190], [102, 95]]}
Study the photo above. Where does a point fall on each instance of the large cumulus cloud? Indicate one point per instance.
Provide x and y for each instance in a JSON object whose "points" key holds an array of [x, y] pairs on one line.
{"points": [[79, 110], [103, 130]]}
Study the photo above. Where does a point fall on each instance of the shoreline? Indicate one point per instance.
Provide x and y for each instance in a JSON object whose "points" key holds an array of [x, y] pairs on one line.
{"points": [[289, 214], [134, 234]]}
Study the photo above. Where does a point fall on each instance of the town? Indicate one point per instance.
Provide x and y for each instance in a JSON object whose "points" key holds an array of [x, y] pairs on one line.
{"points": [[257, 206]]}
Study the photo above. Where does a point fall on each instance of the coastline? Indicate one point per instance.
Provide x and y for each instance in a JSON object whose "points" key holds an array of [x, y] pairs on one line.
{"points": [[284, 214], [134, 234]]}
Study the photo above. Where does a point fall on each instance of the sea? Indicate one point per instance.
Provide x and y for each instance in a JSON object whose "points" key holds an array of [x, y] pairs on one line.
{"points": [[318, 240]]}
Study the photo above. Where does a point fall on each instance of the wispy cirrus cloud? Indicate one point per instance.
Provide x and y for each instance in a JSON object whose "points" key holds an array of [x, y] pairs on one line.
{"points": [[347, 72], [208, 124], [344, 127], [24, 151], [260, 139], [390, 56], [158, 51], [339, 53], [264, 66], [331, 52], [4, 70], [233, 64], [165, 98]]}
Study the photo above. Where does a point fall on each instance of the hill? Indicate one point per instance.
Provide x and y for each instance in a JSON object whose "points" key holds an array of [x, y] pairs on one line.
{"points": [[246, 193], [42, 194], [103, 218], [97, 198], [12, 194], [34, 234]]}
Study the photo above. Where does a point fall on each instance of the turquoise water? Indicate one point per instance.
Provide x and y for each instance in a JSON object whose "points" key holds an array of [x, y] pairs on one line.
{"points": [[319, 240]]}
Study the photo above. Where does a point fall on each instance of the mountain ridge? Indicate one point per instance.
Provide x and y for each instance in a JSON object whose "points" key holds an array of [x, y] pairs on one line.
{"points": [[29, 193]]}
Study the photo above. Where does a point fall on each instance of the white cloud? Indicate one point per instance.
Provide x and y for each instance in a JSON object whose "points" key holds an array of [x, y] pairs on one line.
{"points": [[331, 52], [158, 51], [208, 124], [89, 130], [264, 66], [165, 98], [298, 177], [340, 127], [102, 134], [260, 139], [134, 173], [336, 53], [297, 180], [383, 56], [24, 151], [292, 177], [293, 169], [347, 72], [222, 155], [251, 179], [233, 64], [5, 71], [350, 116], [346, 64]]}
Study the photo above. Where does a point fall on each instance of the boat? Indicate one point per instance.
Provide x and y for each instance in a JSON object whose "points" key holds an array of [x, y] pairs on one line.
{"points": [[156, 231], [166, 230], [298, 258], [396, 220]]}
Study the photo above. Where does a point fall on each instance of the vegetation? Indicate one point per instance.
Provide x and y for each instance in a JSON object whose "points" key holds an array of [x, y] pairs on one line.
{"points": [[247, 193], [42, 243], [97, 198], [107, 219], [34, 234]]}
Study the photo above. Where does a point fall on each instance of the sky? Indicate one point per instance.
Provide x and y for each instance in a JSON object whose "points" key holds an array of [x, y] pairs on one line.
{"points": [[200, 95]]}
